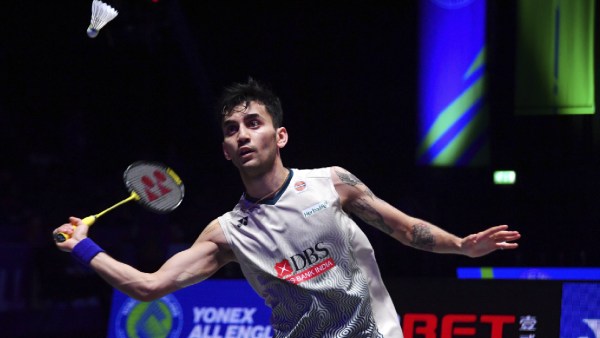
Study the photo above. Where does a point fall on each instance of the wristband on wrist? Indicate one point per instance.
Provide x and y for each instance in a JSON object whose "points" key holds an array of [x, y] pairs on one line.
{"points": [[85, 250]]}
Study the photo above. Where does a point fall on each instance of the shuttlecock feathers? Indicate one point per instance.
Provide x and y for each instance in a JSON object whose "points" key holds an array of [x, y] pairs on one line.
{"points": [[101, 15]]}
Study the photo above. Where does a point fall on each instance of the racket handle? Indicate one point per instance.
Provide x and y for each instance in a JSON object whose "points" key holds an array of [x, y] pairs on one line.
{"points": [[61, 237]]}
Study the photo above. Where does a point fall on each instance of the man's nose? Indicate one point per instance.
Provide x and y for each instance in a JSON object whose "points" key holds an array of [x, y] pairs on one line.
{"points": [[243, 135]]}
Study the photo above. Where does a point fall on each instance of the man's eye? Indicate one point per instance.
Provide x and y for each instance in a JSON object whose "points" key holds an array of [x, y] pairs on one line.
{"points": [[254, 123], [230, 130]]}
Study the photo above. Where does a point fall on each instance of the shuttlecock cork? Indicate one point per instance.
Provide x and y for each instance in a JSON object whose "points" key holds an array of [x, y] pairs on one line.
{"points": [[101, 15]]}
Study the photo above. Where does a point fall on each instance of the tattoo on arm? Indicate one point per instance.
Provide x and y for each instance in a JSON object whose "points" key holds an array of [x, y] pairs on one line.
{"points": [[348, 178], [422, 237], [352, 180], [367, 213]]}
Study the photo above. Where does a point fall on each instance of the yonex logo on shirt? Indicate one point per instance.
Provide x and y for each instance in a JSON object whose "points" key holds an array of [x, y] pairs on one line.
{"points": [[242, 221]]}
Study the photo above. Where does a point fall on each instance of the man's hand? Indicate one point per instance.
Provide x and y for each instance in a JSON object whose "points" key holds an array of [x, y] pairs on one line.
{"points": [[76, 229], [487, 241]]}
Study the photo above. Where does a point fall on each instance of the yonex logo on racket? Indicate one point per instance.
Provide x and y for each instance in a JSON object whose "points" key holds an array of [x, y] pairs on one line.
{"points": [[155, 189]]}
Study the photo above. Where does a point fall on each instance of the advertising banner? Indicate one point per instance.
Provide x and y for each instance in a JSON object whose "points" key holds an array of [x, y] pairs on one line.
{"points": [[428, 308], [580, 311], [555, 57], [432, 308], [453, 116], [211, 309]]}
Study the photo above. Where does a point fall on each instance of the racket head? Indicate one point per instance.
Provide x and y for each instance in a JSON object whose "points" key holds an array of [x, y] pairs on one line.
{"points": [[159, 188]]}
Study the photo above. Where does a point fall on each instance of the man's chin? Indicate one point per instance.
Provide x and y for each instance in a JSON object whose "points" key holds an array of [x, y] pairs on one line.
{"points": [[247, 165], [251, 168]]}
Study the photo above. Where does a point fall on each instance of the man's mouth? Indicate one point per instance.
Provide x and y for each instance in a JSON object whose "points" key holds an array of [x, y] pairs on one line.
{"points": [[245, 151]]}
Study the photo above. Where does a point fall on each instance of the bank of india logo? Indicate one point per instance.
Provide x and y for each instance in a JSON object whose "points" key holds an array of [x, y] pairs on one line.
{"points": [[161, 318], [300, 186], [452, 4]]}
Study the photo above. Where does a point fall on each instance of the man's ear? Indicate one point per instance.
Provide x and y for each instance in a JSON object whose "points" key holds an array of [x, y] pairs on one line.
{"points": [[225, 153], [282, 137]]}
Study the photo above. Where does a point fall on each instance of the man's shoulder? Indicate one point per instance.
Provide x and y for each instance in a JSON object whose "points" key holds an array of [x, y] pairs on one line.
{"points": [[322, 177], [313, 172]]}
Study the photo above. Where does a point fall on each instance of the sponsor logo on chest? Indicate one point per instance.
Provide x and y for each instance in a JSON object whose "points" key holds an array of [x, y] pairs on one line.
{"points": [[314, 209], [306, 265]]}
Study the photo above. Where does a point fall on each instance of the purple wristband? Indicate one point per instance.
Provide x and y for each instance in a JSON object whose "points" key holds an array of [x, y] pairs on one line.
{"points": [[85, 250]]}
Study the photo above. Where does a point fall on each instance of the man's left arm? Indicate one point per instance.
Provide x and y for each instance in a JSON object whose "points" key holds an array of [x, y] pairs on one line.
{"points": [[360, 201]]}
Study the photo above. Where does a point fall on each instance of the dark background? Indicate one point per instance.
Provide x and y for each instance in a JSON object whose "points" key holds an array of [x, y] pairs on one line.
{"points": [[75, 112]]}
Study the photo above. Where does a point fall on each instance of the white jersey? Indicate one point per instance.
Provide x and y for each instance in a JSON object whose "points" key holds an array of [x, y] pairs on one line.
{"points": [[310, 261]]}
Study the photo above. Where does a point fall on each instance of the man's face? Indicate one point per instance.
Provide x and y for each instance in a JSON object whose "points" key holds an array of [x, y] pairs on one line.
{"points": [[250, 140]]}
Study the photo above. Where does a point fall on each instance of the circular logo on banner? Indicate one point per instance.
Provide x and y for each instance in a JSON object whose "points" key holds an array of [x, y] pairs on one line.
{"points": [[452, 4], [160, 318]]}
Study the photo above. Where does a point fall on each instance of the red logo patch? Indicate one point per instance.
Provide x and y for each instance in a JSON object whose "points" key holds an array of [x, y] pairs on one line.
{"points": [[312, 272], [283, 268], [300, 185]]}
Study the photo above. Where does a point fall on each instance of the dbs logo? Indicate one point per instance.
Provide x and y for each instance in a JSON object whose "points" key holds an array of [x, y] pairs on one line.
{"points": [[427, 325], [283, 268]]}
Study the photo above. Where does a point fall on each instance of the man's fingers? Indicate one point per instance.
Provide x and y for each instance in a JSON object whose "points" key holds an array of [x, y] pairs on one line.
{"points": [[506, 246], [502, 236]]}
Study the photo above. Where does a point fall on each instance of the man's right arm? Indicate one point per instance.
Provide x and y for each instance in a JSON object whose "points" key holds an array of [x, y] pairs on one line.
{"points": [[208, 254]]}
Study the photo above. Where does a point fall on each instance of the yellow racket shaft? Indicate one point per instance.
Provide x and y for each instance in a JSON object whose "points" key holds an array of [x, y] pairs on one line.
{"points": [[61, 237]]}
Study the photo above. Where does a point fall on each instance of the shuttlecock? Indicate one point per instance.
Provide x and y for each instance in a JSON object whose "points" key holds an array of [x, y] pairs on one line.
{"points": [[101, 15]]}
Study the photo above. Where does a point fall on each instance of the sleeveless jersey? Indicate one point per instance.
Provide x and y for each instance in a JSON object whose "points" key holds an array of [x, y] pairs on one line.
{"points": [[311, 262]]}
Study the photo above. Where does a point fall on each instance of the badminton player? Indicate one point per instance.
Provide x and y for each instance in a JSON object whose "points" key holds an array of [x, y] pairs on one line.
{"points": [[293, 234]]}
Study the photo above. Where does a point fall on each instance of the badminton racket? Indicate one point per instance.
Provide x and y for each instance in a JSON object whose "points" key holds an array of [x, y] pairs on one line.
{"points": [[154, 185]]}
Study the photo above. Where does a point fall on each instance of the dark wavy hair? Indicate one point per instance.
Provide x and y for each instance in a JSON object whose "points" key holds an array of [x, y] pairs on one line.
{"points": [[244, 93]]}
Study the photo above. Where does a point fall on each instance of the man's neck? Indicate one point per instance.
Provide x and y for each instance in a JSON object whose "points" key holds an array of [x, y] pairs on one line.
{"points": [[262, 185]]}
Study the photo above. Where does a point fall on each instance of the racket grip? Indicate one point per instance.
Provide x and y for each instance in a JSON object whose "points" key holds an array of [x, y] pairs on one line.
{"points": [[61, 236]]}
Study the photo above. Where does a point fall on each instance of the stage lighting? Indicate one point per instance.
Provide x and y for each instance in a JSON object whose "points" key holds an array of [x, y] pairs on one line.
{"points": [[505, 177]]}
